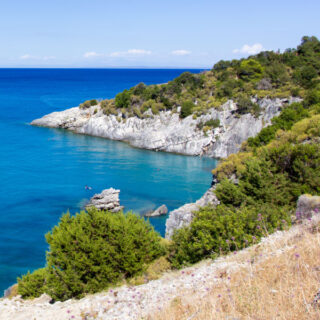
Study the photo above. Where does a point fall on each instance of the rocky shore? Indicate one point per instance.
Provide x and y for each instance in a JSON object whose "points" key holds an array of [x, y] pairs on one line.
{"points": [[166, 131]]}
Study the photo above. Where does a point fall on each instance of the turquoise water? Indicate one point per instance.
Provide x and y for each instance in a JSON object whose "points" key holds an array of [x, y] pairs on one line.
{"points": [[44, 171]]}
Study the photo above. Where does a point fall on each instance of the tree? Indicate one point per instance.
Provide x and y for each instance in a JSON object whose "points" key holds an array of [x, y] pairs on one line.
{"points": [[250, 70], [92, 250]]}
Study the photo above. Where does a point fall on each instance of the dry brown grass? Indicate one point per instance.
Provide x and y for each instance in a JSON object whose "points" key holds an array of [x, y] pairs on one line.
{"points": [[276, 280]]}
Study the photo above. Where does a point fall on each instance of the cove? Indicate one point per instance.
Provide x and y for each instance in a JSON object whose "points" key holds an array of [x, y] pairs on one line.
{"points": [[44, 171]]}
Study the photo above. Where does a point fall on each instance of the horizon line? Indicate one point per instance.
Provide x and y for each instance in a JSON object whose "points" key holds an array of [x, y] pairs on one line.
{"points": [[114, 67]]}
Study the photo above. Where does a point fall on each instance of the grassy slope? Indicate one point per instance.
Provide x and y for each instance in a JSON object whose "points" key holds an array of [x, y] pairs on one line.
{"points": [[278, 279]]}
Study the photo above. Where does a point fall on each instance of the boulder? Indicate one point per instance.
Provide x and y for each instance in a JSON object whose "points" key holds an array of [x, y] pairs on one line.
{"points": [[307, 206], [183, 216], [162, 210], [108, 199]]}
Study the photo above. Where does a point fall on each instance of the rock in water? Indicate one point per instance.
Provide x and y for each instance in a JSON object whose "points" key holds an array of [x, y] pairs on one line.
{"points": [[307, 206], [162, 210], [108, 199]]}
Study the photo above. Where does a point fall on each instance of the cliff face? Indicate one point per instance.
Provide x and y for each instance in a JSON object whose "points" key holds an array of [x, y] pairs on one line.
{"points": [[166, 131]]}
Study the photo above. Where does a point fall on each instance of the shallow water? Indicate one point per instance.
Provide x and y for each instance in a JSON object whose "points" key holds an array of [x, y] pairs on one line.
{"points": [[44, 171]]}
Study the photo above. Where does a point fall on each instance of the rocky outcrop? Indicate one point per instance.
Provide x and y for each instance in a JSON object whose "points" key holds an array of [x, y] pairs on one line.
{"points": [[166, 131], [183, 216], [307, 206], [108, 199], [162, 210]]}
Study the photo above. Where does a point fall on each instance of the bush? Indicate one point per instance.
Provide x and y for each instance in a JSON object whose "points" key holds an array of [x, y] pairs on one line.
{"points": [[32, 285], [122, 99], [250, 70], [245, 105], [88, 104], [216, 231], [92, 250], [186, 109], [213, 123]]}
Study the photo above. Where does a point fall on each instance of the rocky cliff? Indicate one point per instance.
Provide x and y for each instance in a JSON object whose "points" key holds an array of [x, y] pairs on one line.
{"points": [[166, 131]]}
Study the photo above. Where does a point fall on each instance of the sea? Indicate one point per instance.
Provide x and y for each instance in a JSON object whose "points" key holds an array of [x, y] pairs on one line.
{"points": [[43, 172]]}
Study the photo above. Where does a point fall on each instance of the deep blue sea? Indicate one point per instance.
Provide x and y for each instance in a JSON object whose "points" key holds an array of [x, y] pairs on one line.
{"points": [[43, 172]]}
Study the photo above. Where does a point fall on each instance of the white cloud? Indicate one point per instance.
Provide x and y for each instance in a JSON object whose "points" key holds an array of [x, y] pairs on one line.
{"points": [[31, 57], [247, 49], [92, 54], [180, 52], [130, 53]]}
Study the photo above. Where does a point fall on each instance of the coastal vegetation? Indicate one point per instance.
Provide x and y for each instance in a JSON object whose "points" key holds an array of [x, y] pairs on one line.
{"points": [[257, 187], [90, 251], [267, 74]]}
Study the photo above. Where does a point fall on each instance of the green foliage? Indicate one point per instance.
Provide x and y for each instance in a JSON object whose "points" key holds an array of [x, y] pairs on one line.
{"points": [[90, 251], [305, 76], [223, 229], [284, 121], [245, 105], [278, 73], [212, 123], [88, 104], [122, 99], [32, 285], [250, 70], [186, 108], [264, 194], [267, 74]]}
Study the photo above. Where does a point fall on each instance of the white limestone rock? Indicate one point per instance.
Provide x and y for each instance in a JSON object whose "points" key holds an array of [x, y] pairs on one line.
{"points": [[108, 199], [183, 216], [166, 131], [162, 210]]}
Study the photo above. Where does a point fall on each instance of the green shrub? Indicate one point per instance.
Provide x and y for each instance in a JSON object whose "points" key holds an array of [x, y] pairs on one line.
{"points": [[32, 285], [216, 231], [263, 196], [212, 123], [92, 250], [245, 105], [88, 104], [122, 99], [250, 70], [186, 109]]}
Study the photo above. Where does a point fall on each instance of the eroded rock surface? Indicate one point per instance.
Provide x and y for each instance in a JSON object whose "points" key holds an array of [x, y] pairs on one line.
{"points": [[108, 199], [167, 132], [183, 216], [162, 210]]}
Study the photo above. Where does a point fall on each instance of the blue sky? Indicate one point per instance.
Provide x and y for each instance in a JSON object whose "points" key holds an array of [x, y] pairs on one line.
{"points": [[141, 33]]}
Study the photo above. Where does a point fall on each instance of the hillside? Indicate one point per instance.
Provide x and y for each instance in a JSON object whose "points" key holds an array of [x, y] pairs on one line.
{"points": [[254, 199], [277, 278], [210, 113]]}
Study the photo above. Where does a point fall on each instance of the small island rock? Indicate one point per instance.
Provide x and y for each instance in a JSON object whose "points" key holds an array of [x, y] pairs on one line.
{"points": [[108, 199], [162, 210]]}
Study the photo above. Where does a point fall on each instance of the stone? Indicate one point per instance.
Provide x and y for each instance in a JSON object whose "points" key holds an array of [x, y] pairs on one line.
{"points": [[307, 206], [11, 291], [162, 210], [183, 216], [167, 132], [108, 199]]}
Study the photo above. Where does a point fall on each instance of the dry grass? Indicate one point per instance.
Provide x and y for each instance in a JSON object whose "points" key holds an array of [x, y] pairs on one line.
{"points": [[277, 279]]}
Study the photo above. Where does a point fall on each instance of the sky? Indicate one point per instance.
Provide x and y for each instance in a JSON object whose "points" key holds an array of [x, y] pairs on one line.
{"points": [[148, 33]]}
